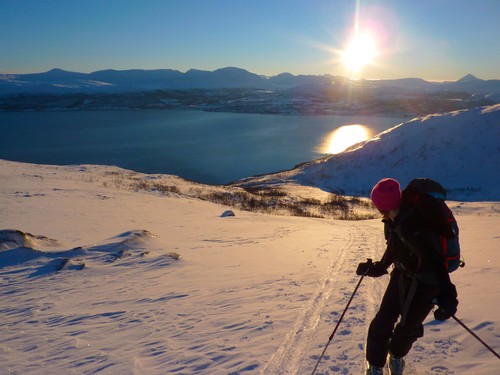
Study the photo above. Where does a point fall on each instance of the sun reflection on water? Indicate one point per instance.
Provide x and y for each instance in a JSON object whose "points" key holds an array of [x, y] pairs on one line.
{"points": [[343, 137]]}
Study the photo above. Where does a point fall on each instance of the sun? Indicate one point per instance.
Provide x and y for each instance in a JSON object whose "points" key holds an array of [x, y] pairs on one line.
{"points": [[360, 51]]}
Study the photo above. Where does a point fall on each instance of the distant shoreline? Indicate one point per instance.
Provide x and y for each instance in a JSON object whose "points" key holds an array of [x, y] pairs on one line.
{"points": [[248, 101]]}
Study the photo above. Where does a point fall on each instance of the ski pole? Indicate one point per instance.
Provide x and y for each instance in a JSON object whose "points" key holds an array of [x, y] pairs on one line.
{"points": [[340, 319], [476, 336]]}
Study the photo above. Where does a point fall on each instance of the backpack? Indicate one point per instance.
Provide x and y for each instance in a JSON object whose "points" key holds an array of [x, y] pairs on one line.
{"points": [[429, 197]]}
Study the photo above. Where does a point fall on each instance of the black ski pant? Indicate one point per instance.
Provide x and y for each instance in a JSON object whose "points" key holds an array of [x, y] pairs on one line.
{"points": [[384, 335]]}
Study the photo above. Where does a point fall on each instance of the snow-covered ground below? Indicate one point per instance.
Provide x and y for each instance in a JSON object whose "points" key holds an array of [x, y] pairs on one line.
{"points": [[99, 279]]}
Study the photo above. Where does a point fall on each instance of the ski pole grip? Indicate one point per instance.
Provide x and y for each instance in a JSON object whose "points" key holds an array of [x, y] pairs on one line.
{"points": [[369, 262]]}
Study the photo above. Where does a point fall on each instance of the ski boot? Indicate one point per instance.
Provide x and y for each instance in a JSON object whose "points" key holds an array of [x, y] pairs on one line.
{"points": [[374, 370], [396, 365]]}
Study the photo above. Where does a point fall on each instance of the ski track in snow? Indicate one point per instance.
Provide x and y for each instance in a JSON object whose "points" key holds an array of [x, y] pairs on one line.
{"points": [[318, 317], [290, 352]]}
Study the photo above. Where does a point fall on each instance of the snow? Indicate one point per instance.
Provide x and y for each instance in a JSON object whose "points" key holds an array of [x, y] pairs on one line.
{"points": [[99, 278], [459, 149]]}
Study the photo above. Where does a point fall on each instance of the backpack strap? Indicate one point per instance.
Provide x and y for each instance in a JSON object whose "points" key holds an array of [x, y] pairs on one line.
{"points": [[406, 297]]}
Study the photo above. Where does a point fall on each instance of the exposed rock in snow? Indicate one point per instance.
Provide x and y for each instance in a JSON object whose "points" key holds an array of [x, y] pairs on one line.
{"points": [[227, 213]]}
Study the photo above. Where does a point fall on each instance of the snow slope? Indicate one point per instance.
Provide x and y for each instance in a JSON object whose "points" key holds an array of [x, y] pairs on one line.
{"points": [[100, 279], [459, 149]]}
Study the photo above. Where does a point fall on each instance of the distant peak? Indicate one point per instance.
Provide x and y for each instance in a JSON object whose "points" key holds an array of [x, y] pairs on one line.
{"points": [[197, 71], [231, 69], [285, 74], [468, 78], [58, 71]]}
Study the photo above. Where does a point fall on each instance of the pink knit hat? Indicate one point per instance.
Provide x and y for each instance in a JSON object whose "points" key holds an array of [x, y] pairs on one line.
{"points": [[386, 195]]}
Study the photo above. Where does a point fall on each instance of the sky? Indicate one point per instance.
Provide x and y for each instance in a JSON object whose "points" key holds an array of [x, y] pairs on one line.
{"points": [[429, 39]]}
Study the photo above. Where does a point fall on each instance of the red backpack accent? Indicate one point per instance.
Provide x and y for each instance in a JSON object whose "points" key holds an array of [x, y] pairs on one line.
{"points": [[450, 245], [430, 197]]}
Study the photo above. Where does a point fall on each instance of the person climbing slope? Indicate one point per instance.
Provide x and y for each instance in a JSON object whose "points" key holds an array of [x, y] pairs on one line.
{"points": [[419, 277]]}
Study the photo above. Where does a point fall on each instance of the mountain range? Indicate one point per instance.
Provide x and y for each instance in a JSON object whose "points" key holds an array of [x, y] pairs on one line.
{"points": [[58, 81], [238, 90]]}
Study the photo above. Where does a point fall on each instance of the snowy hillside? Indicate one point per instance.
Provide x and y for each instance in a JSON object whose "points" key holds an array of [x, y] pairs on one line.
{"points": [[101, 278], [460, 149]]}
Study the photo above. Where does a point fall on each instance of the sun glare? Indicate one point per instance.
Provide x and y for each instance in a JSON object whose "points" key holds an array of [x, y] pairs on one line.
{"points": [[345, 136], [361, 51]]}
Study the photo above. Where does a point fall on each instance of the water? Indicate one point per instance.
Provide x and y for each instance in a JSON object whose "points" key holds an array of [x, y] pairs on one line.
{"points": [[213, 148]]}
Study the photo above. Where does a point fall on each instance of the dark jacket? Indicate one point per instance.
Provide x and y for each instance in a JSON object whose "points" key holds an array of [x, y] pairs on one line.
{"points": [[413, 247]]}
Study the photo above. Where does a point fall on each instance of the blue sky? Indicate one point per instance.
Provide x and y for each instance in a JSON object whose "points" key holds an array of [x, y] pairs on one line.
{"points": [[430, 39]]}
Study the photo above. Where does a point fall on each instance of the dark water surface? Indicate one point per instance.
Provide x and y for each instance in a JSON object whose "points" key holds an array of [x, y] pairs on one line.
{"points": [[207, 147]]}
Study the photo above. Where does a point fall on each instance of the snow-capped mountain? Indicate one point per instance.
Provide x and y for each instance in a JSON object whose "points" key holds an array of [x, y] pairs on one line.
{"points": [[459, 149], [60, 81]]}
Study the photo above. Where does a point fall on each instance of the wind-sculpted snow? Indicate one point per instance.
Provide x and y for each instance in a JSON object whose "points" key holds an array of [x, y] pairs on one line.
{"points": [[10, 238], [19, 250]]}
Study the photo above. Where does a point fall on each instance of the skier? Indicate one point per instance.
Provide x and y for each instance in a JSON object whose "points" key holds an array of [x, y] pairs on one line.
{"points": [[418, 279]]}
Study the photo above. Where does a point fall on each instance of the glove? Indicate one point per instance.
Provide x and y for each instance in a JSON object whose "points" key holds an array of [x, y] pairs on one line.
{"points": [[447, 302], [372, 269]]}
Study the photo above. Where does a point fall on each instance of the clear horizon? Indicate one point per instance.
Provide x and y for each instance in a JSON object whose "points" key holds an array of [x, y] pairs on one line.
{"points": [[73, 71], [378, 39]]}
